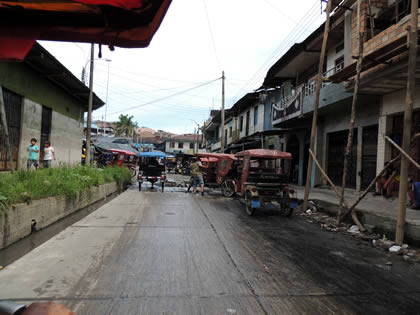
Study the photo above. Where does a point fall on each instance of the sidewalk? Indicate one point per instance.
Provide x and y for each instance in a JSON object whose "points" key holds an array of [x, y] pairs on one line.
{"points": [[377, 211]]}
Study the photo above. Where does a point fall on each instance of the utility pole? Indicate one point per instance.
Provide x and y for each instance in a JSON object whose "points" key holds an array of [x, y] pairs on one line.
{"points": [[409, 99], [89, 117], [223, 113], [316, 106], [6, 129], [107, 86]]}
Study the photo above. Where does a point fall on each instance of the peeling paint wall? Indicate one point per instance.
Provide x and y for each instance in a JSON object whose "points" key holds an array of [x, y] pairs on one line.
{"points": [[66, 138], [30, 128]]}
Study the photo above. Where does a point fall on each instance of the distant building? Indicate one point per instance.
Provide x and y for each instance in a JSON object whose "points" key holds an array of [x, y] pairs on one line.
{"points": [[187, 143], [43, 100]]}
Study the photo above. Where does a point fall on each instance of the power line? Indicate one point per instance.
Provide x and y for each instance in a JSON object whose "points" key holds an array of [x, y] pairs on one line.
{"points": [[211, 35], [310, 16], [166, 97]]}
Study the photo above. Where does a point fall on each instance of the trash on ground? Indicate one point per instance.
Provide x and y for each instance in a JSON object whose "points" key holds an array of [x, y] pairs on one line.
{"points": [[354, 229], [309, 211], [395, 249]]}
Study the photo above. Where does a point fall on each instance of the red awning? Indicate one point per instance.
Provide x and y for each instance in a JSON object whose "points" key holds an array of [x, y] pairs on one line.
{"points": [[264, 153], [122, 23]]}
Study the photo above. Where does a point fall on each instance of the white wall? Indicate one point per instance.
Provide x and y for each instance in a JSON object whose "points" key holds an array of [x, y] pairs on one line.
{"points": [[394, 103], [66, 134], [66, 138], [31, 128]]}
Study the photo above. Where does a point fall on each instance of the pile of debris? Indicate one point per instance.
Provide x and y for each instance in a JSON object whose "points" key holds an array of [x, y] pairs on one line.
{"points": [[329, 223]]}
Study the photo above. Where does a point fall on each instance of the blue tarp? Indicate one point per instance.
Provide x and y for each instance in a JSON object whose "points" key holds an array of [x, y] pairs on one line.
{"points": [[158, 154]]}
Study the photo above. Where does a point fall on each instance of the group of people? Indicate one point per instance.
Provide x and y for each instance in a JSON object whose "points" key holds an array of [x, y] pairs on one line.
{"points": [[388, 186], [34, 150]]}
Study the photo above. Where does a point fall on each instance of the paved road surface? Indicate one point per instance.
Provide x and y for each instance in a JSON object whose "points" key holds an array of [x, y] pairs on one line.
{"points": [[166, 253]]}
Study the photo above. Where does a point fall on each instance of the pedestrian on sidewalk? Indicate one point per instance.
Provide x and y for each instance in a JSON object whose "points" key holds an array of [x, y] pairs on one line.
{"points": [[33, 150], [197, 176], [49, 154], [388, 182]]}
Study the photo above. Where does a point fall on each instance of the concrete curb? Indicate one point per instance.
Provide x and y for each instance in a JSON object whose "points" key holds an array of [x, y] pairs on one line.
{"points": [[381, 223], [16, 222]]}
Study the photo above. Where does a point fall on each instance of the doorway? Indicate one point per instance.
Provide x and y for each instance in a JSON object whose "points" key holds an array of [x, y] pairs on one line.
{"points": [[13, 107]]}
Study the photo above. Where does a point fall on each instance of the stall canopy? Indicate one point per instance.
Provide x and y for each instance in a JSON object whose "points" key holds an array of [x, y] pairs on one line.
{"points": [[122, 23]]}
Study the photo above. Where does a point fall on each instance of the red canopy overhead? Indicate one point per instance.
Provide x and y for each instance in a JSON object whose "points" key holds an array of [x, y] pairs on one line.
{"points": [[264, 153], [122, 23]]}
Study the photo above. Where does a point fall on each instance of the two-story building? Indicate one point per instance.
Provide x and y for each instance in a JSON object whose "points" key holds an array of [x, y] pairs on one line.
{"points": [[384, 72], [43, 100], [293, 76], [186, 143]]}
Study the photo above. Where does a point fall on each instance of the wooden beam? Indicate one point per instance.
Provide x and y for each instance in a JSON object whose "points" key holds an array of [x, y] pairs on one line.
{"points": [[410, 96], [353, 110], [403, 152], [343, 201], [317, 99]]}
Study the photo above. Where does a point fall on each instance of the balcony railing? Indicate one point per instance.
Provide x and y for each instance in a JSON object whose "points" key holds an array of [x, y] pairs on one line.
{"points": [[310, 87]]}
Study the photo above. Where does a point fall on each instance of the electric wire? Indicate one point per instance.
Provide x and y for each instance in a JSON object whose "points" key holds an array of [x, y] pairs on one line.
{"points": [[310, 17], [165, 97], [211, 35]]}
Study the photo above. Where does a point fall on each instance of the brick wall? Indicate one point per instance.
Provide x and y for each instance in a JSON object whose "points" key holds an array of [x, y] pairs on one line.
{"points": [[393, 32]]}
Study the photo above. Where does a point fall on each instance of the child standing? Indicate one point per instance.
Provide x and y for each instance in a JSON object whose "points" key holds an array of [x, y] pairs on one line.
{"points": [[33, 154], [49, 154]]}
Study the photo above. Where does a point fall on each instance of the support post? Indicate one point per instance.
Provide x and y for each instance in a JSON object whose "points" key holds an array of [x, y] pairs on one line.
{"points": [[6, 129], [411, 83], [316, 106], [223, 114], [89, 117], [353, 111]]}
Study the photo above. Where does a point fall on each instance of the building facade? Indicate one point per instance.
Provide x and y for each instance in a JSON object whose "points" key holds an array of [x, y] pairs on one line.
{"points": [[43, 100]]}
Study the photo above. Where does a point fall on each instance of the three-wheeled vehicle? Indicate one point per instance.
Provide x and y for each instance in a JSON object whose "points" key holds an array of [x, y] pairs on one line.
{"points": [[170, 163], [152, 168], [116, 157], [183, 161], [262, 178], [218, 171]]}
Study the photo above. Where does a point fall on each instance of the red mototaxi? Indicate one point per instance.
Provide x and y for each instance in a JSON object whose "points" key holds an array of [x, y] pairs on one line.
{"points": [[218, 171], [261, 181]]}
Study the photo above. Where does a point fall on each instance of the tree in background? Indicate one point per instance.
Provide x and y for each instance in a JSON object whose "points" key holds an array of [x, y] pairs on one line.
{"points": [[126, 126]]}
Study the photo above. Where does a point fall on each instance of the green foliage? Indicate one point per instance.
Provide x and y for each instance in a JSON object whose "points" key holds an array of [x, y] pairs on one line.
{"points": [[23, 186], [126, 126]]}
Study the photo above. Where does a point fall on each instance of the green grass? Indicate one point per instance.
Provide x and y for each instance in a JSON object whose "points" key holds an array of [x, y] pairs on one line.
{"points": [[22, 186]]}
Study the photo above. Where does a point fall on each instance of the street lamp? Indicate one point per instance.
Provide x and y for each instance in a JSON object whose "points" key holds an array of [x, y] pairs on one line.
{"points": [[198, 130]]}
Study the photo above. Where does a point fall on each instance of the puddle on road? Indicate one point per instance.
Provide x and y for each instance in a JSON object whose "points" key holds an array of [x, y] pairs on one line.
{"points": [[16, 250]]}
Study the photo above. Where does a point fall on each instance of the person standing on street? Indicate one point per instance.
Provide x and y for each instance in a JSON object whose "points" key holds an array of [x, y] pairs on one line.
{"points": [[197, 176], [49, 154], [33, 150]]}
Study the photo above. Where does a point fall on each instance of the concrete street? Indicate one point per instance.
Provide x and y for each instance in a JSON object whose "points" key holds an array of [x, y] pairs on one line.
{"points": [[164, 253]]}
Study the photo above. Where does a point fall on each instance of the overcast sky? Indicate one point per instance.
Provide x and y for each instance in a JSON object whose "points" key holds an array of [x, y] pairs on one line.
{"points": [[196, 41]]}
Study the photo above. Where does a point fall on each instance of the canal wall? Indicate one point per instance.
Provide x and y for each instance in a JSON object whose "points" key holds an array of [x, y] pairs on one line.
{"points": [[20, 219]]}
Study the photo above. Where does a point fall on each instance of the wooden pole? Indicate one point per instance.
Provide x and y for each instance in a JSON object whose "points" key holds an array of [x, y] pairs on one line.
{"points": [[403, 152], [353, 111], [89, 117], [223, 113], [353, 215], [363, 195], [411, 83], [6, 129], [316, 105]]}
